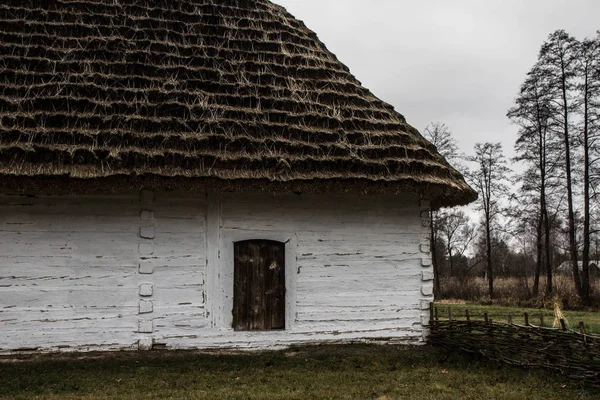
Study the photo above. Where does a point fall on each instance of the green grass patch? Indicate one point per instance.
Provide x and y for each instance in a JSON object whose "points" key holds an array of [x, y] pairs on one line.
{"points": [[496, 313], [325, 372]]}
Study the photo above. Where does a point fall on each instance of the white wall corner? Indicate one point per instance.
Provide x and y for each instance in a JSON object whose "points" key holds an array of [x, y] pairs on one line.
{"points": [[427, 275], [427, 289], [425, 304], [424, 334], [426, 261], [145, 343]]}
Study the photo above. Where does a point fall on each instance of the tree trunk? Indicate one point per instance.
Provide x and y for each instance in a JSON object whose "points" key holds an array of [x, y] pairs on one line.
{"points": [[450, 261], [585, 277], [489, 271], [539, 249], [547, 245], [566, 139]]}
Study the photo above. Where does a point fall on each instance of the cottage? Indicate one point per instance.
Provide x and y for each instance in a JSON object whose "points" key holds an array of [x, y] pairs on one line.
{"points": [[566, 268], [203, 174]]}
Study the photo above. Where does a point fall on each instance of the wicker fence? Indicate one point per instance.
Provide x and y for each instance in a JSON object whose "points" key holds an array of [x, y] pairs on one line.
{"points": [[574, 354]]}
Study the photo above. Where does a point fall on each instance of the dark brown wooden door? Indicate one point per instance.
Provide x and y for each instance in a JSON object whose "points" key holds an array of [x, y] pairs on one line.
{"points": [[259, 285]]}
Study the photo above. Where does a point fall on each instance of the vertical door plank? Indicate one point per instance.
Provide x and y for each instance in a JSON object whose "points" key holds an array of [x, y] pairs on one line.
{"points": [[259, 285]]}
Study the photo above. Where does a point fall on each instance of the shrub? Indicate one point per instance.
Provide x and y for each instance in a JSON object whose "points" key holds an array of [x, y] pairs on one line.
{"points": [[513, 291]]}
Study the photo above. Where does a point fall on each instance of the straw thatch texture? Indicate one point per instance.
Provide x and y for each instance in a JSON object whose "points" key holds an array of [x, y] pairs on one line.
{"points": [[231, 92]]}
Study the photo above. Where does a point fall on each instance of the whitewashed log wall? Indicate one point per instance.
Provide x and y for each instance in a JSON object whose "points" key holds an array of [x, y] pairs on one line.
{"points": [[155, 269]]}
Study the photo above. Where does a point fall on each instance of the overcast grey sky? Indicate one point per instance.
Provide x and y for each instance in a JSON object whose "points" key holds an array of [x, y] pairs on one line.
{"points": [[460, 62]]}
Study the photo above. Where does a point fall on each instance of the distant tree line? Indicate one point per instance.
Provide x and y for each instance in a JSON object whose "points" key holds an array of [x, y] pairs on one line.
{"points": [[529, 222]]}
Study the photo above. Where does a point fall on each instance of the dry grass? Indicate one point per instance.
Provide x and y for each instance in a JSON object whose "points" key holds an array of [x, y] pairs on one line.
{"points": [[516, 292], [537, 316]]}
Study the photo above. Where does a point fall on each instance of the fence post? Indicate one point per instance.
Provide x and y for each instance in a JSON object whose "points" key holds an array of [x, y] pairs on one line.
{"points": [[436, 314], [526, 315], [563, 325], [542, 319], [583, 333], [449, 314], [510, 319], [485, 317], [468, 316]]}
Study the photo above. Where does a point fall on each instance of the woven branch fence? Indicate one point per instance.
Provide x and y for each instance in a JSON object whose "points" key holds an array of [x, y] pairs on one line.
{"points": [[573, 354]]}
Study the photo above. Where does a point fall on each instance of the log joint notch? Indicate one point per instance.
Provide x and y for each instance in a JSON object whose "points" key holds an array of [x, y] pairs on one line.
{"points": [[146, 235], [427, 275]]}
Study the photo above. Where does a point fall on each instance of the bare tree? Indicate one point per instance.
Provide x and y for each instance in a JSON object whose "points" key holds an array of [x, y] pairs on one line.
{"points": [[457, 231], [489, 176], [538, 148], [589, 88], [558, 61], [440, 136]]}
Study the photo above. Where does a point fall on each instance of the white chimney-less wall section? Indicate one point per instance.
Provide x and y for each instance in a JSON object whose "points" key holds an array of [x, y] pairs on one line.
{"points": [[144, 269]]}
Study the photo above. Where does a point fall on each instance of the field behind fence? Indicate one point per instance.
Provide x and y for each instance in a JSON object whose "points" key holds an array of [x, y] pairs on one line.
{"points": [[574, 353]]}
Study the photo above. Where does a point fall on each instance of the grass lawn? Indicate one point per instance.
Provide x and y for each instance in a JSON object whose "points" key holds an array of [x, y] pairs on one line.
{"points": [[325, 372], [591, 319]]}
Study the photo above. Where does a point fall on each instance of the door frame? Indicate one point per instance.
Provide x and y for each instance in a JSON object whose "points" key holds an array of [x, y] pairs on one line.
{"points": [[224, 315]]}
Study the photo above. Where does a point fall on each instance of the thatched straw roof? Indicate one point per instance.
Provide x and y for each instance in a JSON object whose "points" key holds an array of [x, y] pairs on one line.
{"points": [[222, 94]]}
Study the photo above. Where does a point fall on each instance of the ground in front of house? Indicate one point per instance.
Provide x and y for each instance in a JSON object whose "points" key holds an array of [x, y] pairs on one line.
{"points": [[322, 372]]}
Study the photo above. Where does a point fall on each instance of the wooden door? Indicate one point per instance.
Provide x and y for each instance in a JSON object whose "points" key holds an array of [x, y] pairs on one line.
{"points": [[259, 285]]}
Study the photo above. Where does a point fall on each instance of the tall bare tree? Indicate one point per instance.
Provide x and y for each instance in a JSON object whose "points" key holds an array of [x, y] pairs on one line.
{"points": [[558, 60], [440, 136], [538, 148], [489, 176], [589, 88]]}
